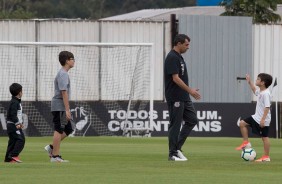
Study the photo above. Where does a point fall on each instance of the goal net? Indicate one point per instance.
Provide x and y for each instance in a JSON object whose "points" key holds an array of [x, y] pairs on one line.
{"points": [[111, 86]]}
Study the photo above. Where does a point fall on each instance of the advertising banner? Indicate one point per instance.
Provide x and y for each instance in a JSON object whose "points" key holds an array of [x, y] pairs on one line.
{"points": [[104, 119]]}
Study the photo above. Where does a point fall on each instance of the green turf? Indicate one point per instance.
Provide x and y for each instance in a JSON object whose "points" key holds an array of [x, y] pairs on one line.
{"points": [[141, 160]]}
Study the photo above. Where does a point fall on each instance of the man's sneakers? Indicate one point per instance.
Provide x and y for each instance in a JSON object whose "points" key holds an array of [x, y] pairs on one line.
{"points": [[58, 158], [175, 158], [16, 159], [49, 149], [264, 158], [178, 157], [245, 144]]}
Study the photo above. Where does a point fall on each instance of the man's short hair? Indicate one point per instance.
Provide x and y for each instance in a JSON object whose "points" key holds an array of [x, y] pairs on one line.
{"points": [[180, 38], [266, 78], [64, 56], [15, 89]]}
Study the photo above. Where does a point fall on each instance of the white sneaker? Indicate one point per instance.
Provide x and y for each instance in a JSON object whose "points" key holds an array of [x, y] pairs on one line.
{"points": [[180, 155], [58, 159], [176, 158], [49, 150]]}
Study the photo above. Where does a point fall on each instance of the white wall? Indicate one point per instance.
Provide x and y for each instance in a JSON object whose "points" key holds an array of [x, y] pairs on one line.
{"points": [[68, 31], [17, 30], [267, 42], [267, 51]]}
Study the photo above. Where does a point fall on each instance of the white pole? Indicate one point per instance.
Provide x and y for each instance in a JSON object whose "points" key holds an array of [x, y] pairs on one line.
{"points": [[152, 73], [74, 43], [276, 118], [276, 108]]}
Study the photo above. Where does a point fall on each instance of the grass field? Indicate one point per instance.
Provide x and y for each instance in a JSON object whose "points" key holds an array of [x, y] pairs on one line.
{"points": [[140, 160]]}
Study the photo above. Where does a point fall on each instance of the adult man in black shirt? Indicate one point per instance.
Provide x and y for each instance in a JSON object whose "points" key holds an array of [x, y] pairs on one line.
{"points": [[177, 92]]}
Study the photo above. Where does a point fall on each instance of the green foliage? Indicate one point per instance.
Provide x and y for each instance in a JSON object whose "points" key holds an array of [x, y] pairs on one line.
{"points": [[84, 9], [16, 14], [262, 11], [14, 9]]}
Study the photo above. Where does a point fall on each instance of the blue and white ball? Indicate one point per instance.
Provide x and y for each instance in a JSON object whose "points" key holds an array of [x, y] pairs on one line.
{"points": [[248, 154]]}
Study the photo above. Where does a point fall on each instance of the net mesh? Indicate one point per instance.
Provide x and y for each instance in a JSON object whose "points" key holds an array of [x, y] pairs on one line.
{"points": [[104, 78]]}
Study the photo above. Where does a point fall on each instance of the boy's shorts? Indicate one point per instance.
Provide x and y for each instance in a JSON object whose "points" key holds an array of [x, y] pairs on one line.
{"points": [[60, 122], [256, 129]]}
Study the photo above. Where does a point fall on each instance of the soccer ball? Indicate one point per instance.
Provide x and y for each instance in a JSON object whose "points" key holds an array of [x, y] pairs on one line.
{"points": [[248, 154]]}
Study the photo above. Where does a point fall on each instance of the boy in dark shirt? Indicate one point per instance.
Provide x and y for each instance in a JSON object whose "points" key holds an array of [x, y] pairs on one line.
{"points": [[15, 125]]}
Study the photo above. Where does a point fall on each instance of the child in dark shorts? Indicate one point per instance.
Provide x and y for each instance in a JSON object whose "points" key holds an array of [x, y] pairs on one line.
{"points": [[60, 107], [260, 121]]}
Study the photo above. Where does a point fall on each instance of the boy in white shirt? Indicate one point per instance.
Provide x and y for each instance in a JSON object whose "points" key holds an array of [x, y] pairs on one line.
{"points": [[260, 121]]}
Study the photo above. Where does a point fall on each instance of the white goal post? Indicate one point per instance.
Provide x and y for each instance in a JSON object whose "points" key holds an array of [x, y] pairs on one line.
{"points": [[117, 76]]}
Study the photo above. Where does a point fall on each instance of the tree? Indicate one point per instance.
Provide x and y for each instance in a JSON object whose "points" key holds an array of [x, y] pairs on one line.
{"points": [[84, 9], [116, 7], [14, 9], [262, 11]]}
